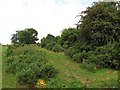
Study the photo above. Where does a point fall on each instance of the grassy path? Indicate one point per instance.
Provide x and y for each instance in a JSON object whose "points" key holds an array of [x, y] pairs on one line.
{"points": [[68, 68]]}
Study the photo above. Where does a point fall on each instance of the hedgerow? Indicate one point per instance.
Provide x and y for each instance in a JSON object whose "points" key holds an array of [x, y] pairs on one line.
{"points": [[57, 48], [106, 56]]}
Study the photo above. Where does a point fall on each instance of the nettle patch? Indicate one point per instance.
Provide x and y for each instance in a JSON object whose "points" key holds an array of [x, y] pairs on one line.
{"points": [[29, 65]]}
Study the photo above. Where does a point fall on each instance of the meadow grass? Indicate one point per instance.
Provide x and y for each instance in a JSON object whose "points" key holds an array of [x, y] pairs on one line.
{"points": [[8, 80], [69, 71], [103, 78]]}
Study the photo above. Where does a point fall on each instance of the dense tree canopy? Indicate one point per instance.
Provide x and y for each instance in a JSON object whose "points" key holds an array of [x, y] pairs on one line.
{"points": [[26, 36], [99, 24], [98, 38]]}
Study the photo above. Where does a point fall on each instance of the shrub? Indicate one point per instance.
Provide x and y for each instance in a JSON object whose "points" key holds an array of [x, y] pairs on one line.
{"points": [[29, 64], [106, 56], [89, 66], [70, 51], [79, 57], [49, 46], [57, 48]]}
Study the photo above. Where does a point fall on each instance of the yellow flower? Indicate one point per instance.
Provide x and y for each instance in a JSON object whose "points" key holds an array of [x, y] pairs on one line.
{"points": [[42, 82]]}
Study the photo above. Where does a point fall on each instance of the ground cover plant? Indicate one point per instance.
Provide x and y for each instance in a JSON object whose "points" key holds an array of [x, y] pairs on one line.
{"points": [[70, 75], [29, 65]]}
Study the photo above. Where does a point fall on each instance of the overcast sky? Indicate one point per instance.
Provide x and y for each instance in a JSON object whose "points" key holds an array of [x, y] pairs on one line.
{"points": [[45, 16]]}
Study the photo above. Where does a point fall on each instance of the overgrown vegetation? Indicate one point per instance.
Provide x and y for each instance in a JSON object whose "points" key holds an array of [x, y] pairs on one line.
{"points": [[94, 45], [70, 74], [96, 39], [29, 64], [51, 43]]}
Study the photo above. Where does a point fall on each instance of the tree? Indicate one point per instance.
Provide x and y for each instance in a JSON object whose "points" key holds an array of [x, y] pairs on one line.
{"points": [[47, 40], [99, 24], [68, 37], [26, 36]]}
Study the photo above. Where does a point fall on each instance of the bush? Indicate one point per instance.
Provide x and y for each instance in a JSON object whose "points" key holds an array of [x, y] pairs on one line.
{"points": [[89, 66], [29, 64], [57, 48], [49, 46], [79, 57], [106, 56], [70, 51]]}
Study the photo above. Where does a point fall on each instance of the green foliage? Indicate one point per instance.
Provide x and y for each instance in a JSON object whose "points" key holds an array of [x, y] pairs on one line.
{"points": [[68, 37], [104, 56], [47, 41], [29, 64], [51, 43], [100, 24], [91, 67], [97, 38], [57, 82], [103, 78], [26, 36], [43, 42], [80, 57], [105, 84], [57, 48]]}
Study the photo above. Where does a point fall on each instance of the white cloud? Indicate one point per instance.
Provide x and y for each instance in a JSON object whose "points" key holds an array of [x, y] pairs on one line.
{"points": [[46, 16]]}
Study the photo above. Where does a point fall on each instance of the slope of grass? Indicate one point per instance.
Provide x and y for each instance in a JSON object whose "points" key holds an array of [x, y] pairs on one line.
{"points": [[68, 69], [70, 74], [8, 80]]}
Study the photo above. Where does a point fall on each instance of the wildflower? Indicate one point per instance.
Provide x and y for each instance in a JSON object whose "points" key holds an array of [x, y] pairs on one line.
{"points": [[42, 82]]}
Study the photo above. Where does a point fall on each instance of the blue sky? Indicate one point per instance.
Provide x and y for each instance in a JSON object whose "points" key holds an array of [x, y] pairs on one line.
{"points": [[46, 16]]}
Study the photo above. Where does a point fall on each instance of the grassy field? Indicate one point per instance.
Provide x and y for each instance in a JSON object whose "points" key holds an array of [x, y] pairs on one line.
{"points": [[102, 78], [69, 71], [8, 81]]}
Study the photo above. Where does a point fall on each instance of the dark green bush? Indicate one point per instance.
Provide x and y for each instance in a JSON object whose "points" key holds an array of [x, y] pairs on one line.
{"points": [[49, 46], [106, 56], [57, 48], [70, 51], [89, 66], [79, 57]]}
